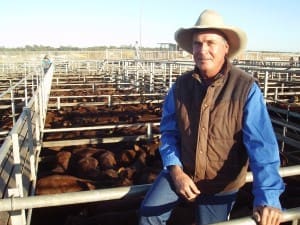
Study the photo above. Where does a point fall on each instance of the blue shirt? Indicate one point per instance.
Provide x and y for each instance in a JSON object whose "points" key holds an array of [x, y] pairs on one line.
{"points": [[46, 63], [258, 137]]}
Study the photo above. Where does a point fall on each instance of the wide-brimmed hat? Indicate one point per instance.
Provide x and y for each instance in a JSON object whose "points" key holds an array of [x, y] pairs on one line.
{"points": [[211, 20]]}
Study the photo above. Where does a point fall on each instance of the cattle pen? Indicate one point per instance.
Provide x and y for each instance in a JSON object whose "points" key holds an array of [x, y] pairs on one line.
{"points": [[109, 104]]}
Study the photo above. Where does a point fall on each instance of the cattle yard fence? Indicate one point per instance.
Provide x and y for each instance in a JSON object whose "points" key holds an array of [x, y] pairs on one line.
{"points": [[19, 152]]}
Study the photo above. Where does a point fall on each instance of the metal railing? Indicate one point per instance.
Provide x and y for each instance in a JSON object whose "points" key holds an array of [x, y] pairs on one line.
{"points": [[20, 149], [288, 215], [17, 203]]}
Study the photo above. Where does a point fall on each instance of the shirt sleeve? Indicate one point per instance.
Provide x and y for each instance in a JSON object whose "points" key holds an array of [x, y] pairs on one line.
{"points": [[170, 138], [262, 147]]}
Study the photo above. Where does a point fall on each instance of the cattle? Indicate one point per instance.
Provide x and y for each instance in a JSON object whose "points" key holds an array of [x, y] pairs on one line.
{"points": [[62, 162], [107, 160], [56, 183], [88, 167]]}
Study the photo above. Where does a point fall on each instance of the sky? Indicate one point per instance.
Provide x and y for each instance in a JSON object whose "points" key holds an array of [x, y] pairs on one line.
{"points": [[271, 25]]}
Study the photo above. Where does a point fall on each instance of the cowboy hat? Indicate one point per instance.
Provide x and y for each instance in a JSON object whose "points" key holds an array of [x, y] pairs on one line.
{"points": [[211, 20]]}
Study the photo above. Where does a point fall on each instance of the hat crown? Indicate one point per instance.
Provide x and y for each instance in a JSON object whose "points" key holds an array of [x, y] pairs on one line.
{"points": [[209, 18]]}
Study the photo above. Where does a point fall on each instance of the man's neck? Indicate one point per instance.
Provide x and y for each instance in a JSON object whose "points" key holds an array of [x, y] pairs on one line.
{"points": [[210, 78]]}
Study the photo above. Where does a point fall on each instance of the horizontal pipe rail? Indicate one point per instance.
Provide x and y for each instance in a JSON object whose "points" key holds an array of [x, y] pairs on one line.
{"points": [[91, 141], [99, 96], [288, 215], [283, 171], [11, 88], [283, 111], [294, 127], [103, 127], [12, 204], [153, 101]]}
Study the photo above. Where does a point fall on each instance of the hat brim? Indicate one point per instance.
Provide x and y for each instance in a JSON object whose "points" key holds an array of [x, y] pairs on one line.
{"points": [[236, 38]]}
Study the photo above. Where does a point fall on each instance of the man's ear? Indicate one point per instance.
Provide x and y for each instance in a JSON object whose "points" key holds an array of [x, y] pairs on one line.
{"points": [[227, 47]]}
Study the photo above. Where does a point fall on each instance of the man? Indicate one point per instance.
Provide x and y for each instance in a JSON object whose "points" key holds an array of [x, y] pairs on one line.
{"points": [[46, 63], [214, 123]]}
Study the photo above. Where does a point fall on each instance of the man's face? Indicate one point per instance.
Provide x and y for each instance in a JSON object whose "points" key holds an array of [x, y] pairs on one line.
{"points": [[209, 51]]}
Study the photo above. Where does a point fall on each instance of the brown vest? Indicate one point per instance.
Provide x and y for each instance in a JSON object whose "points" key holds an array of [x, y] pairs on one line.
{"points": [[210, 121]]}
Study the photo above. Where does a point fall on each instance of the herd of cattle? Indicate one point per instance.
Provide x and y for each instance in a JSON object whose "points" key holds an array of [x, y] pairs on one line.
{"points": [[94, 166]]}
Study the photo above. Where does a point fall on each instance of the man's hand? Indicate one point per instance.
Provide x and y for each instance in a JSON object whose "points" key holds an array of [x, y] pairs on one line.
{"points": [[184, 185], [266, 215]]}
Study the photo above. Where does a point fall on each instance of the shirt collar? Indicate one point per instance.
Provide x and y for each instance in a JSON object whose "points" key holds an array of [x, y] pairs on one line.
{"points": [[218, 77]]}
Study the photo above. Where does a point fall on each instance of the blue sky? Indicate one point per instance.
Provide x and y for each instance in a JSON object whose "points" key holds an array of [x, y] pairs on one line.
{"points": [[271, 25]]}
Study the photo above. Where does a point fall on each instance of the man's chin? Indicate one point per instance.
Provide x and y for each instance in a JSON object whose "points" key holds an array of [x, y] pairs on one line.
{"points": [[203, 64]]}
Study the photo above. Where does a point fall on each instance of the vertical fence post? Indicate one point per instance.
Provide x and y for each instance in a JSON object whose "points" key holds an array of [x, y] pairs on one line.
{"points": [[149, 131], [170, 78], [165, 75], [32, 84], [284, 130], [58, 103], [137, 77], [18, 216], [109, 100], [25, 91], [37, 120], [180, 69], [282, 88], [151, 77], [12, 100], [266, 85], [40, 101], [66, 70], [30, 143], [126, 74], [276, 94]]}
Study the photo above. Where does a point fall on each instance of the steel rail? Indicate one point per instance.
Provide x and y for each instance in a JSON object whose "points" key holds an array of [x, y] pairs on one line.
{"points": [[39, 201], [103, 127], [287, 215]]}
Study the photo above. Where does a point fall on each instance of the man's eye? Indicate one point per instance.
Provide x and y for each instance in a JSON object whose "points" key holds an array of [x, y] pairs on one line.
{"points": [[210, 43], [197, 44]]}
